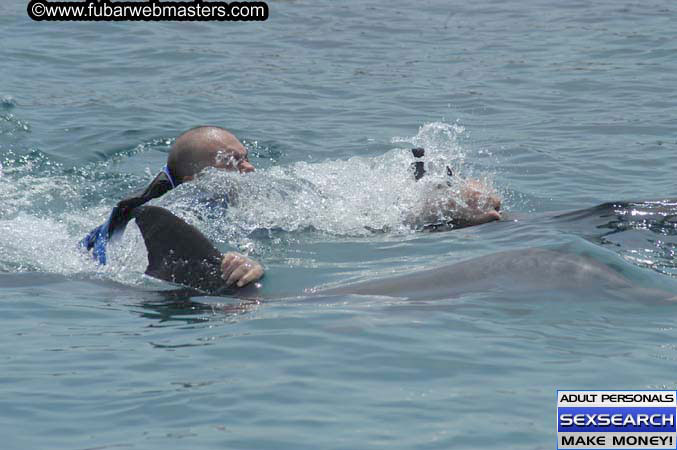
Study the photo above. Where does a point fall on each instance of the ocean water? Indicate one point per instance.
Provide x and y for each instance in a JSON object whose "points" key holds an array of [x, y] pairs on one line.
{"points": [[558, 106]]}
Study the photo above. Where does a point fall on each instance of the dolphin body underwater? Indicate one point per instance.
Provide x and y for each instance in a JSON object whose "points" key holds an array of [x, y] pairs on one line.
{"points": [[180, 253]]}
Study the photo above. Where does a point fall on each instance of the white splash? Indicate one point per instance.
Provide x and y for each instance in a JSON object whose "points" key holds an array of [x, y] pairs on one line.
{"points": [[46, 211]]}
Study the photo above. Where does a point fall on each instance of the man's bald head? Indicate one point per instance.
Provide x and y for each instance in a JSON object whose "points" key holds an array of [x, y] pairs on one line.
{"points": [[206, 146]]}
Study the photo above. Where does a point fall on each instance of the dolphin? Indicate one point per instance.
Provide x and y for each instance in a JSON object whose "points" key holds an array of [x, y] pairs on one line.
{"points": [[180, 253]]}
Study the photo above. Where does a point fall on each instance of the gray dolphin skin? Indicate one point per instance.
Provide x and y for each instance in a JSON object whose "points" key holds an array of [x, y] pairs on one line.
{"points": [[180, 253], [516, 270]]}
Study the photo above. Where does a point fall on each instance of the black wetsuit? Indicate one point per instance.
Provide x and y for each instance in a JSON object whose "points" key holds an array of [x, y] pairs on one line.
{"points": [[97, 239]]}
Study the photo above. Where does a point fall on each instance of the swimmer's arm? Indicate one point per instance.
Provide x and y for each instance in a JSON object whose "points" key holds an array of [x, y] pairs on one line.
{"points": [[240, 270], [122, 212]]}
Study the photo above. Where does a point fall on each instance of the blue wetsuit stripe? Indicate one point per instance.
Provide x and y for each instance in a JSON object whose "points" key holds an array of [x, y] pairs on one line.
{"points": [[165, 169]]}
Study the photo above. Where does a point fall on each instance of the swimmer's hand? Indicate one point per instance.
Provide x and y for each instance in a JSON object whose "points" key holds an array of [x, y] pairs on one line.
{"points": [[240, 270]]}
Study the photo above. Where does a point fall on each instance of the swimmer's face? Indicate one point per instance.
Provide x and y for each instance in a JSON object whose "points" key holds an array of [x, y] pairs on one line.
{"points": [[226, 159], [233, 159]]}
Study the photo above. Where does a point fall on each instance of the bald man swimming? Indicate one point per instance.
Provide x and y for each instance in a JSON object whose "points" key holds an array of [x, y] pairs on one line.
{"points": [[209, 146], [193, 151]]}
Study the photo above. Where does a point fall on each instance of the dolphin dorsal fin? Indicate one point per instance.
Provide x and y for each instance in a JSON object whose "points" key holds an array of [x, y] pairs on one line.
{"points": [[178, 252]]}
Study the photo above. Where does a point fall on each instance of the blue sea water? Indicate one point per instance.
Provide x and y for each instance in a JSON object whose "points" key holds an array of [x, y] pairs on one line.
{"points": [[559, 105]]}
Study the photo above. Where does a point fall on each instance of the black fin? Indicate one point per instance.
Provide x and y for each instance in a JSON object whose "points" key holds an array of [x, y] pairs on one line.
{"points": [[178, 252]]}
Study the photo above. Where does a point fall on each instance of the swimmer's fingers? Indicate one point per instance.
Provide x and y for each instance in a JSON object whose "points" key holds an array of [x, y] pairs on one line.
{"points": [[230, 262], [239, 269], [255, 273], [248, 271], [238, 273]]}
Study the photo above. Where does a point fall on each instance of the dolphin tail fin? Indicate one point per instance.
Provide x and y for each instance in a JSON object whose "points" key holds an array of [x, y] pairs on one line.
{"points": [[178, 252]]}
